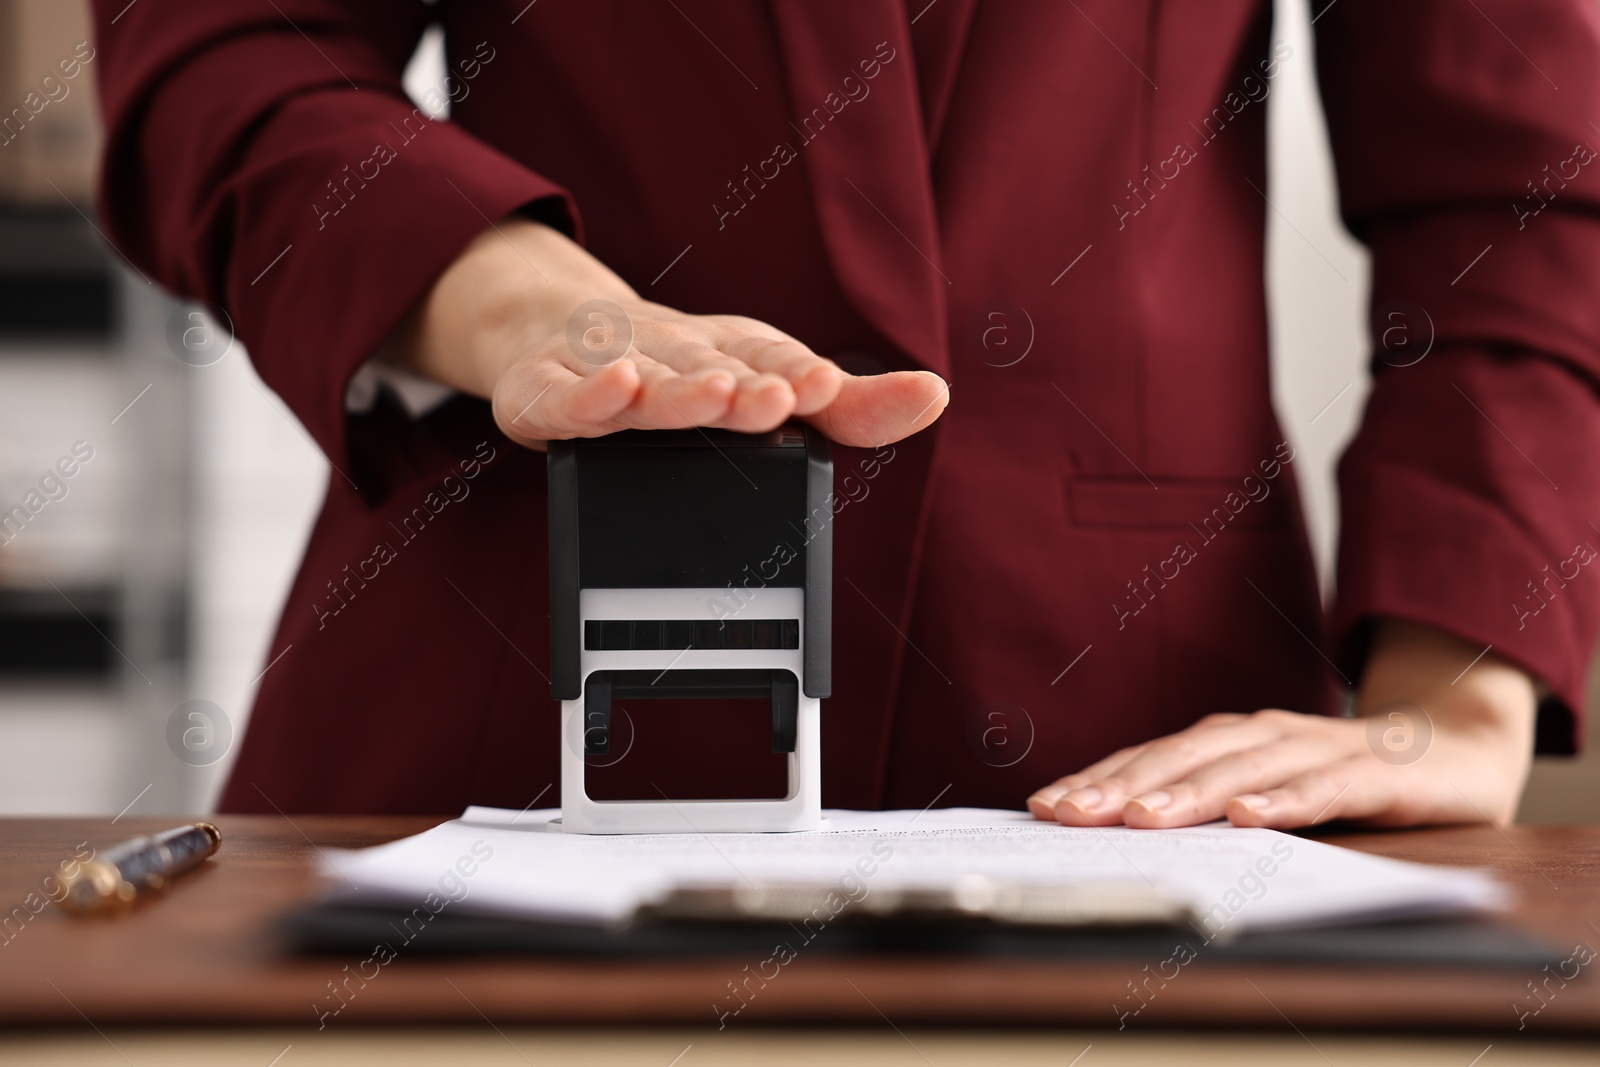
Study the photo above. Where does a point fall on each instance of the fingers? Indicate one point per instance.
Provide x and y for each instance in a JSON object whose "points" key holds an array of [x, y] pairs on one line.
{"points": [[553, 395], [668, 400], [701, 372], [1347, 789], [538, 400], [776, 375], [1281, 770], [712, 371], [815, 381], [875, 410], [1204, 794], [1101, 801], [1043, 803], [759, 401]]}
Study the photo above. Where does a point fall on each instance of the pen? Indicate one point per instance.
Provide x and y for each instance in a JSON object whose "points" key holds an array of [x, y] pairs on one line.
{"points": [[140, 865]]}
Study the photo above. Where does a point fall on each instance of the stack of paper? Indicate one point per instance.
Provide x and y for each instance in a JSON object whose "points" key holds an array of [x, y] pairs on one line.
{"points": [[516, 864]]}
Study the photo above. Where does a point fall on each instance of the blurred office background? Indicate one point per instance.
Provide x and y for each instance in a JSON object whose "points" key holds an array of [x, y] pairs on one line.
{"points": [[137, 605]]}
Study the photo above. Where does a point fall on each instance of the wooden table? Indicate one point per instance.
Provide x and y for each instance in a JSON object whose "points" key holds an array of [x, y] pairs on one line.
{"points": [[204, 955]]}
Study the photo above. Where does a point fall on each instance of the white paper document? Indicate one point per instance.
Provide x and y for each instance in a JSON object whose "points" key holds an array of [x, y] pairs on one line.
{"points": [[515, 864]]}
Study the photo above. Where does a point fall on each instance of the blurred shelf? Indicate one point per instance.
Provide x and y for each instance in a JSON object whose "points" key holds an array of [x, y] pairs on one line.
{"points": [[42, 635], [56, 278], [68, 634]]}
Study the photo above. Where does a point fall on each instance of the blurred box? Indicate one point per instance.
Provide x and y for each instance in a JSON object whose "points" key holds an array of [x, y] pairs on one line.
{"points": [[49, 117]]}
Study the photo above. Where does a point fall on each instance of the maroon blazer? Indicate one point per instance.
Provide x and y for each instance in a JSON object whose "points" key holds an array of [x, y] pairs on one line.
{"points": [[1058, 207]]}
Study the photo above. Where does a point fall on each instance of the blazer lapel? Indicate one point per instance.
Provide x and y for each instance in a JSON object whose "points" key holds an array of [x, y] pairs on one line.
{"points": [[866, 155]]}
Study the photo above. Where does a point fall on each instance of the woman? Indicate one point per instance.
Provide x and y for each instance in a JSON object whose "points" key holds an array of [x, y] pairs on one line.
{"points": [[826, 212]]}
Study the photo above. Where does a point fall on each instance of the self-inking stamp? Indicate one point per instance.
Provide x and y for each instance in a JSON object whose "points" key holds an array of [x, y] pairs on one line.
{"points": [[691, 565]]}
